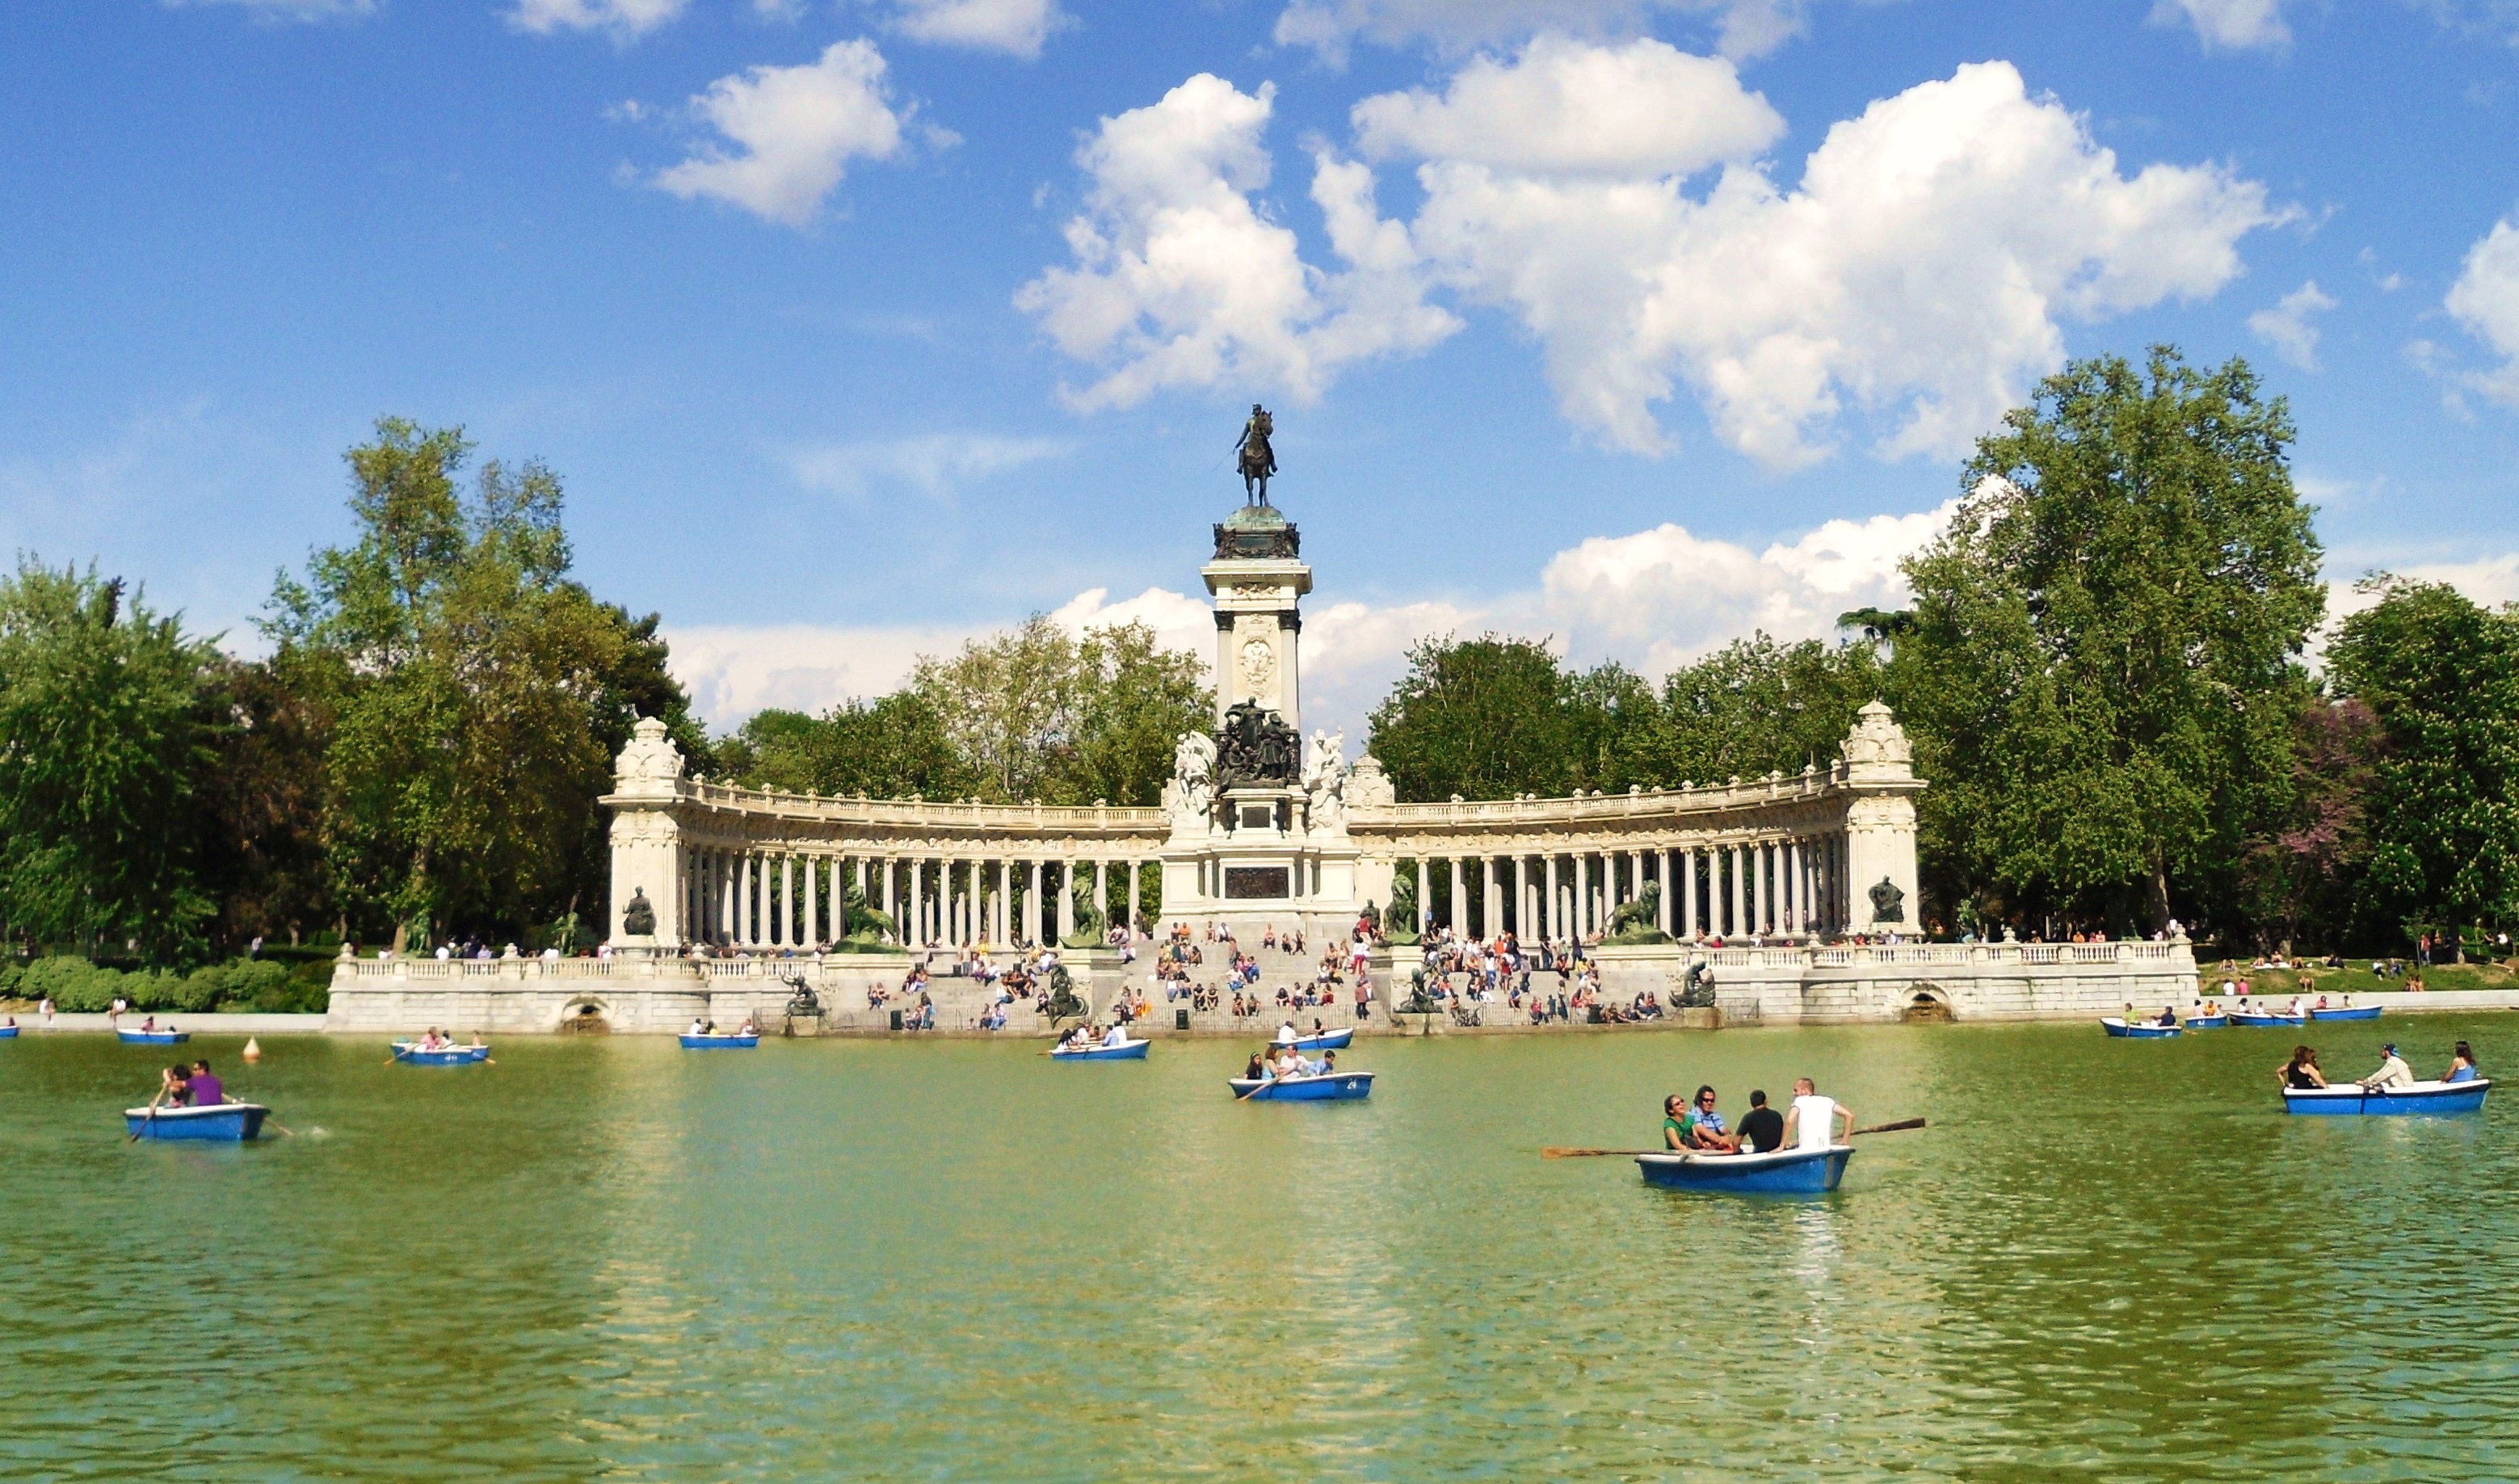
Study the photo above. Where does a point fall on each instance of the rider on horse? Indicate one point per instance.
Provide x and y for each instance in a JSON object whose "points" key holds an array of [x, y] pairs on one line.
{"points": [[1258, 459]]}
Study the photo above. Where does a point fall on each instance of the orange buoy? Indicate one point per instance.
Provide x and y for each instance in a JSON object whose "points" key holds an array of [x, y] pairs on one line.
{"points": [[252, 1049]]}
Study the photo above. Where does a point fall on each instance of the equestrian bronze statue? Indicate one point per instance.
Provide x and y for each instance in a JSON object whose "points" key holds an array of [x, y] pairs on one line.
{"points": [[1258, 459]]}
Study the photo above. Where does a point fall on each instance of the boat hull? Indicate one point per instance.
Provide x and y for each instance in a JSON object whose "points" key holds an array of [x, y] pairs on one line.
{"points": [[1134, 1050], [225, 1124], [9, 1033], [2207, 1021], [2117, 1028], [1335, 1040], [720, 1042], [2356, 1012], [153, 1037], [2422, 1099], [1784, 1173], [2251, 1018], [1337, 1087], [451, 1055]]}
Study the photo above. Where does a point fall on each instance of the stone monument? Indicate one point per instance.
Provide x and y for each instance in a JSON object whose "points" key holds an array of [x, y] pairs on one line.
{"points": [[1259, 816]]}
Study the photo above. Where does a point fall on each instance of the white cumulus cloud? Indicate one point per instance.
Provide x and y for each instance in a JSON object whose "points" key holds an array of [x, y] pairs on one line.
{"points": [[1180, 279], [1919, 269], [793, 131], [1018, 28], [1564, 105], [2485, 300], [2286, 326], [1743, 27], [2233, 24], [626, 20]]}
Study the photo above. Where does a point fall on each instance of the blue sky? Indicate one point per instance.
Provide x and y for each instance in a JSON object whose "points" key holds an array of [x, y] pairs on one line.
{"points": [[856, 329]]}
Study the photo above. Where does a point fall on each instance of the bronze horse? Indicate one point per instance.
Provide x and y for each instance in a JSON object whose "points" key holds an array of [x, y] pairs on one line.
{"points": [[1258, 459]]}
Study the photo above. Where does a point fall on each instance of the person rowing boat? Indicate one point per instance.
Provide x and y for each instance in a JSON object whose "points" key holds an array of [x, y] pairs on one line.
{"points": [[2393, 1070]]}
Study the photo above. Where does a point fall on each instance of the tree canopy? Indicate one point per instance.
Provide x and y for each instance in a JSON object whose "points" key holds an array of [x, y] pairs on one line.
{"points": [[2103, 671]]}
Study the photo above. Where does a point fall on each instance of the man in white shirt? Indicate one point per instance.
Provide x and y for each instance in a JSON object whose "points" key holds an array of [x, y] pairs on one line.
{"points": [[1810, 1123], [2393, 1070]]}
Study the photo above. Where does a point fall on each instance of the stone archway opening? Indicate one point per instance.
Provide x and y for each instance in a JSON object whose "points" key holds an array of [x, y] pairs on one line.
{"points": [[585, 1017], [1925, 1005]]}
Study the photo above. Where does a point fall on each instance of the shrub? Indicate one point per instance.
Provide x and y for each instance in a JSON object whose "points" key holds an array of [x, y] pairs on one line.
{"points": [[71, 982]]}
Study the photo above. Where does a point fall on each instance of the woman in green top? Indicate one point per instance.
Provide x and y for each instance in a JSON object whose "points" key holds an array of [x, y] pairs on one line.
{"points": [[1675, 1121]]}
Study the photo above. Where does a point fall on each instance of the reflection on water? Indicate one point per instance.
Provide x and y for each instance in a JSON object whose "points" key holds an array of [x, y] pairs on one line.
{"points": [[612, 1259]]}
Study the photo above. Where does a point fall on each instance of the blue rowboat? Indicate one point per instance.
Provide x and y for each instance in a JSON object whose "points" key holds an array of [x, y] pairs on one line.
{"points": [[2207, 1021], [1336, 1087], [2138, 1031], [2252, 1017], [228, 1122], [8, 1032], [1778, 1172], [1333, 1040], [1132, 1050], [410, 1053], [727, 1042], [153, 1037], [2355, 1013], [2417, 1098]]}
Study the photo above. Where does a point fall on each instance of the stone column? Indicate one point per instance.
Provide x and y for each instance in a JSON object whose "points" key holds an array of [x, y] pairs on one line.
{"points": [[913, 926], [1688, 890], [812, 907], [1102, 891], [1131, 921], [1032, 904], [1459, 919], [1066, 898], [1663, 876]]}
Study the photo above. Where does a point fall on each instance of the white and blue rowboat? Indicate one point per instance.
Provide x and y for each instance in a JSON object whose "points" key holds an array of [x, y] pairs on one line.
{"points": [[1328, 1040], [2138, 1031], [1333, 1087], [1129, 1051], [8, 1032], [2353, 1013], [153, 1037], [721, 1042], [1778, 1172], [2254, 1018], [226, 1122], [411, 1054], [2207, 1021], [2417, 1098]]}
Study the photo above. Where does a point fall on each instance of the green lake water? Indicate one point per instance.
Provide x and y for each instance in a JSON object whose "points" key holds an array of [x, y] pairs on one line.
{"points": [[611, 1259]]}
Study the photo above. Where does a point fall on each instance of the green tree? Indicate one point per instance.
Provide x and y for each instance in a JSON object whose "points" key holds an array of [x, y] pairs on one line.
{"points": [[1038, 712], [1488, 718], [1755, 707], [477, 693], [264, 793], [2441, 812], [2302, 870], [105, 728], [891, 747], [2103, 670]]}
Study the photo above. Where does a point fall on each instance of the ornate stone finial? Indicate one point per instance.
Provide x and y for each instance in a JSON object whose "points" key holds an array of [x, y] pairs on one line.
{"points": [[1877, 748], [649, 763], [1368, 786]]}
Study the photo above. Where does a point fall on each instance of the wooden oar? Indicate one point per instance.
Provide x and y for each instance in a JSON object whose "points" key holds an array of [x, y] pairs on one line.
{"points": [[1567, 1151]]}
